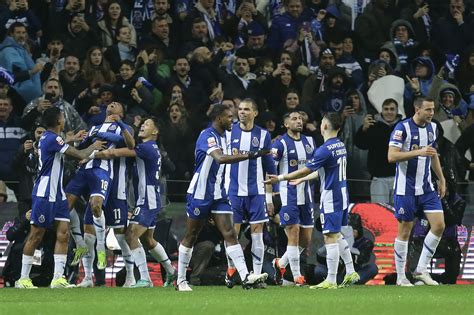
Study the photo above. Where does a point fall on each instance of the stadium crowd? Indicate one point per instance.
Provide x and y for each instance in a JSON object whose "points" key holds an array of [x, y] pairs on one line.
{"points": [[176, 60]]}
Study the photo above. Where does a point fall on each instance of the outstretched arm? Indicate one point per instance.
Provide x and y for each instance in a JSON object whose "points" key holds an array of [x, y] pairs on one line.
{"points": [[114, 153], [302, 172], [85, 153], [222, 158], [298, 181]]}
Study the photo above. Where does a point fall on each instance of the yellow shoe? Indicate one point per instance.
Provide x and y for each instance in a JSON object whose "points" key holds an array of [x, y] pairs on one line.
{"points": [[325, 285], [101, 260], [61, 283], [79, 252], [350, 279], [24, 284]]}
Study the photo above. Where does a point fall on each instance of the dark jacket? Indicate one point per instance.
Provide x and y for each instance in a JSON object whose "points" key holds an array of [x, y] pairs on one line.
{"points": [[285, 27], [12, 137], [71, 89], [452, 38], [112, 55], [376, 139]]}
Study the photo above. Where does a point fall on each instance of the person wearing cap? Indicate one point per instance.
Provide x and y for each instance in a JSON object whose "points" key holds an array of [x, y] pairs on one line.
{"points": [[255, 47], [6, 90], [316, 82]]}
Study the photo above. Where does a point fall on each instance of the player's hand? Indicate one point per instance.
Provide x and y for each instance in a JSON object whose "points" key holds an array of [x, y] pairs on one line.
{"points": [[99, 145], [442, 188], [270, 209], [271, 179], [28, 215], [257, 154], [296, 182], [428, 151]]}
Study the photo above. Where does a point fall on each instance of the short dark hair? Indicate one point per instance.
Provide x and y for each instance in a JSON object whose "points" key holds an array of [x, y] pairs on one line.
{"points": [[389, 101], [14, 25], [159, 19], [217, 110], [419, 101], [50, 117], [287, 114], [335, 120], [251, 101], [129, 63], [198, 20]]}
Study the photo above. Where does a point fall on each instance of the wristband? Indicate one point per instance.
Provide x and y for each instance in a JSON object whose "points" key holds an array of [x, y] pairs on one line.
{"points": [[268, 198], [281, 178], [92, 156]]}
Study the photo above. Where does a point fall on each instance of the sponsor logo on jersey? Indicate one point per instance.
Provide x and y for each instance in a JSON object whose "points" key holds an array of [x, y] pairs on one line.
{"points": [[59, 140], [211, 142], [398, 135]]}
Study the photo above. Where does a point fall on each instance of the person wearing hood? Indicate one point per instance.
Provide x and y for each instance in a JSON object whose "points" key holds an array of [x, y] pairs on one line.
{"points": [[403, 39], [346, 61], [373, 136], [388, 53], [464, 73], [417, 13], [423, 70], [354, 113], [332, 99], [16, 59], [326, 25], [316, 82]]}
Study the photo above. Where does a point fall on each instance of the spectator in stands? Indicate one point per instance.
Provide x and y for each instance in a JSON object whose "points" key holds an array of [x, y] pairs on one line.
{"points": [[277, 85], [15, 57], [204, 9], [465, 72], [255, 47], [286, 26], [317, 81], [162, 9], [96, 113], [346, 61], [418, 14], [326, 24], [60, 16], [110, 26], [423, 70], [373, 27], [19, 11], [304, 48], [96, 68], [131, 93], [246, 17], [6, 81], [79, 36], [199, 37], [12, 135], [404, 41], [453, 33], [160, 37], [354, 113], [122, 50], [72, 79], [388, 54], [53, 96], [53, 59], [373, 136], [241, 83]]}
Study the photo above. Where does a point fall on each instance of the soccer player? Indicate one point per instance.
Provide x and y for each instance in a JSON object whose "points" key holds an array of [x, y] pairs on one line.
{"points": [[207, 195], [116, 208], [330, 160], [146, 172], [93, 178], [49, 205], [291, 153], [247, 193], [412, 146]]}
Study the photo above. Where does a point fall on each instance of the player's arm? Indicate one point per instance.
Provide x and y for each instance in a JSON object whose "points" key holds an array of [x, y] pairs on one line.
{"points": [[309, 177], [302, 172], [127, 136], [222, 158], [395, 153], [436, 166], [115, 153], [85, 153]]}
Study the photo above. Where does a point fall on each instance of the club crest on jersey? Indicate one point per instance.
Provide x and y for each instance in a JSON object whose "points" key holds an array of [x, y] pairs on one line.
{"points": [[211, 142], [197, 211], [401, 211], [59, 140], [308, 148], [41, 219], [113, 127], [286, 217], [293, 162], [430, 136], [255, 142]]}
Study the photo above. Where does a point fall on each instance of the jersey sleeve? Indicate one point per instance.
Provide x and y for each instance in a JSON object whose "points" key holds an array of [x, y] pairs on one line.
{"points": [[210, 143], [142, 151], [277, 151], [267, 160], [57, 144], [318, 159], [398, 136]]}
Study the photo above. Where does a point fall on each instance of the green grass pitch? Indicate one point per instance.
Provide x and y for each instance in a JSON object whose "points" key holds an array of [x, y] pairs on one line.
{"points": [[446, 300]]}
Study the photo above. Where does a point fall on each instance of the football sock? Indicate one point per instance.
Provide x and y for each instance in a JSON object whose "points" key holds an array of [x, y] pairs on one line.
{"points": [[139, 257], [258, 250], [332, 261], [59, 264], [237, 255], [75, 226], [26, 263], [99, 225], [400, 251], [88, 259], [294, 259], [429, 248], [160, 255], [184, 257], [345, 253], [126, 254]]}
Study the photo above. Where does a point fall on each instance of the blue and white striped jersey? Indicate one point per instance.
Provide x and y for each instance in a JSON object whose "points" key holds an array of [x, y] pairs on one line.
{"points": [[246, 177], [208, 179], [146, 175], [330, 160], [290, 155], [413, 177], [110, 127], [49, 183]]}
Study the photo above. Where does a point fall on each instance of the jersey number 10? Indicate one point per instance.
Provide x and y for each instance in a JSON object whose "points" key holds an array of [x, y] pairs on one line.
{"points": [[342, 161]]}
